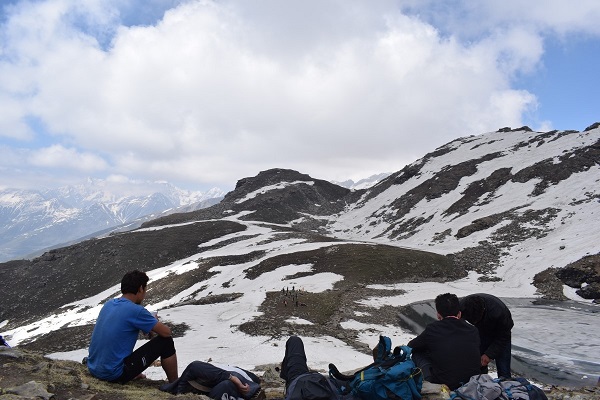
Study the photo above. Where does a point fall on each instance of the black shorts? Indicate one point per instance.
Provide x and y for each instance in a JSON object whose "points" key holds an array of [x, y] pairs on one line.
{"points": [[144, 356]]}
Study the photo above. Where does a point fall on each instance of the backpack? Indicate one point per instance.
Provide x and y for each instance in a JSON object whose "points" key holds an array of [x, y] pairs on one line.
{"points": [[521, 389], [393, 375], [484, 387], [479, 387]]}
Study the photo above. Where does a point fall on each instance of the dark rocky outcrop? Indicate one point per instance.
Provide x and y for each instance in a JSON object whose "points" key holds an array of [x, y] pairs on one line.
{"points": [[276, 196], [593, 126], [583, 275]]}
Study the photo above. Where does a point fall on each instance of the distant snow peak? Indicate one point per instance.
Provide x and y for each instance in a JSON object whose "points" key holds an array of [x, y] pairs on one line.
{"points": [[363, 183], [34, 220]]}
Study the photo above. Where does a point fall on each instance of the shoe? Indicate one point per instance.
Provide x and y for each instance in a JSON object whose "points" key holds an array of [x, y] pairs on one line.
{"points": [[259, 395]]}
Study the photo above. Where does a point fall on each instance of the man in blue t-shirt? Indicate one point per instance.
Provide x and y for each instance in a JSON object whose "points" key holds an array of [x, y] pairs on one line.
{"points": [[116, 332]]}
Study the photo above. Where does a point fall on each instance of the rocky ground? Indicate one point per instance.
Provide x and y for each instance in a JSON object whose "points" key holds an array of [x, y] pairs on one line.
{"points": [[26, 375]]}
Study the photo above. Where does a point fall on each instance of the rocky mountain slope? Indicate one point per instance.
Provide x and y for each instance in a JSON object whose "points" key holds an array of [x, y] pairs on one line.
{"points": [[34, 220], [498, 204], [512, 212]]}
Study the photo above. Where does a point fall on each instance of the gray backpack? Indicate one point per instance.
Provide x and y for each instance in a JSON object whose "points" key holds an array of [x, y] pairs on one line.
{"points": [[479, 387]]}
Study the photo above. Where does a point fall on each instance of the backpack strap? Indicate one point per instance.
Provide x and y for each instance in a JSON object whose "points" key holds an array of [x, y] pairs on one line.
{"points": [[383, 348], [336, 374]]}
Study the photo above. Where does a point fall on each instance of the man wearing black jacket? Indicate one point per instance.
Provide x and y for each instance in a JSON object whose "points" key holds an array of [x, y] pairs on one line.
{"points": [[447, 351], [494, 322]]}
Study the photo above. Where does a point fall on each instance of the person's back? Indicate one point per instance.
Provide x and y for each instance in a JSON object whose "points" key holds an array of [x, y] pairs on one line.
{"points": [[111, 353], [453, 347], [495, 319], [447, 350], [115, 335], [494, 322]]}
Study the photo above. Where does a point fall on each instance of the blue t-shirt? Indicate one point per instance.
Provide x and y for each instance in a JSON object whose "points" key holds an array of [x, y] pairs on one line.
{"points": [[114, 336]]}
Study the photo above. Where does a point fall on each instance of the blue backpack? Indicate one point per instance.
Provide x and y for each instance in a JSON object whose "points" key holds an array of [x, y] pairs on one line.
{"points": [[393, 375]]}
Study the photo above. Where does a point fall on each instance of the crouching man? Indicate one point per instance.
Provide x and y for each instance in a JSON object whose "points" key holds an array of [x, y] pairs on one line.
{"points": [[111, 356], [493, 320]]}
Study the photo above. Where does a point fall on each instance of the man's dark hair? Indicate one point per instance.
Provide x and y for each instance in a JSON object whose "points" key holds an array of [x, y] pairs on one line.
{"points": [[132, 281], [447, 305], [473, 308]]}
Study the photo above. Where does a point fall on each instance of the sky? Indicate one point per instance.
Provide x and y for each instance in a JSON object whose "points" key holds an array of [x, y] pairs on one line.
{"points": [[203, 93]]}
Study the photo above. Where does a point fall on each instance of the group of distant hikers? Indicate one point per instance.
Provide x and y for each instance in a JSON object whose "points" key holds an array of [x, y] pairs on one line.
{"points": [[468, 334]]}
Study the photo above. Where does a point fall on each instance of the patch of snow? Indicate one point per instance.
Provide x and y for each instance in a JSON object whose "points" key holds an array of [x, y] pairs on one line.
{"points": [[265, 189]]}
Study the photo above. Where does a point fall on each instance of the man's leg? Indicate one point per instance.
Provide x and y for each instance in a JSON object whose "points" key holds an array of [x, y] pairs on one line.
{"points": [[503, 362], [422, 361], [144, 356], [294, 361], [169, 365]]}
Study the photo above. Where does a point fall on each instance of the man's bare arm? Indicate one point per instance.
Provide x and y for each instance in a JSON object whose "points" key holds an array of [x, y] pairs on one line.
{"points": [[162, 330]]}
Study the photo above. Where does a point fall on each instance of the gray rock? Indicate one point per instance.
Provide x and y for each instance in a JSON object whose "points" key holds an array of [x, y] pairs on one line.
{"points": [[32, 390], [10, 352]]}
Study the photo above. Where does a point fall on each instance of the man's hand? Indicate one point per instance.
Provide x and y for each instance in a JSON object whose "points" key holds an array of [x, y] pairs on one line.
{"points": [[243, 388], [485, 360]]}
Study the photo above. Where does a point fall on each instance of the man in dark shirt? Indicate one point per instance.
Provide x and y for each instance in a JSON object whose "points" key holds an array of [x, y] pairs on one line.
{"points": [[494, 322], [447, 351]]}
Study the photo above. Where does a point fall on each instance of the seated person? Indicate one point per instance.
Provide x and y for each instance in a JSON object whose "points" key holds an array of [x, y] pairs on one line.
{"points": [[111, 355], [300, 382], [447, 351], [204, 378]]}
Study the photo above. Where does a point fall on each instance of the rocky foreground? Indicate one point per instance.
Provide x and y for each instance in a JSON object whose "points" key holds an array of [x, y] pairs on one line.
{"points": [[27, 375]]}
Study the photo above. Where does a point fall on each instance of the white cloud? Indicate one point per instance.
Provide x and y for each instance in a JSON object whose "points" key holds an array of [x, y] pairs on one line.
{"points": [[216, 91], [473, 18], [57, 156]]}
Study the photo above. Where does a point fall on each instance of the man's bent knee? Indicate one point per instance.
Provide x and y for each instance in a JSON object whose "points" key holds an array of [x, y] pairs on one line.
{"points": [[167, 346]]}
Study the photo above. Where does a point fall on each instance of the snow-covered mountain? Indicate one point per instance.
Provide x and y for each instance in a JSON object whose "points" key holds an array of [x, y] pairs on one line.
{"points": [[31, 221], [514, 213], [501, 203], [364, 183], [497, 203]]}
